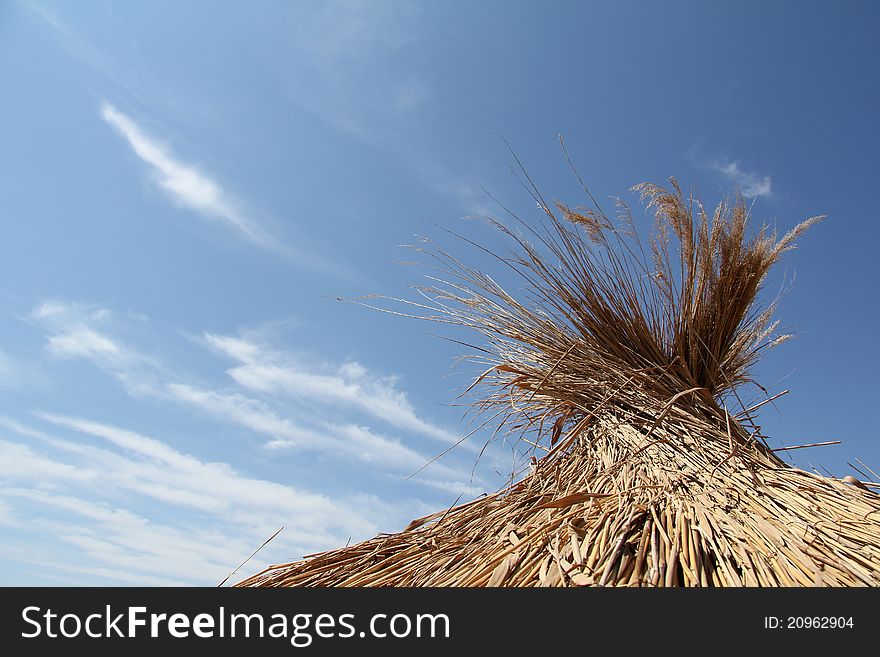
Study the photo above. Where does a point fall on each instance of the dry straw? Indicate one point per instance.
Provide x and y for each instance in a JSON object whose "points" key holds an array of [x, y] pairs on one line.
{"points": [[617, 363]]}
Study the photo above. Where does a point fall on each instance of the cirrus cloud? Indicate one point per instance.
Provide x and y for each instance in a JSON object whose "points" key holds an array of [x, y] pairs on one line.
{"points": [[750, 183]]}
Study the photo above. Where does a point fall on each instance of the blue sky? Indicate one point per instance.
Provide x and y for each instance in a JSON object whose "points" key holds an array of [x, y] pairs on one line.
{"points": [[185, 188]]}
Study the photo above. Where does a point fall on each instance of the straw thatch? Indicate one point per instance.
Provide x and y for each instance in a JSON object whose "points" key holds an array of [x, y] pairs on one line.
{"points": [[618, 368]]}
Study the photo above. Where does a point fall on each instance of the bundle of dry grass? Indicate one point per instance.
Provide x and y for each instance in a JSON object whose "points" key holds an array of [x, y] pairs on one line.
{"points": [[619, 364]]}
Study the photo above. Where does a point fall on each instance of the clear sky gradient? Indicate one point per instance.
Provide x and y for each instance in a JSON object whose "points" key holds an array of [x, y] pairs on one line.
{"points": [[185, 188]]}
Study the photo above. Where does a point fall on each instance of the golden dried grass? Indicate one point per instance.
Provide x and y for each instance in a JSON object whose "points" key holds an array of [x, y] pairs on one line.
{"points": [[619, 361]]}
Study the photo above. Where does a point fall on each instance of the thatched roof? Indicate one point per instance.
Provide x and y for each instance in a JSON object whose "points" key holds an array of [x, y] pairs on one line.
{"points": [[615, 508], [620, 368]]}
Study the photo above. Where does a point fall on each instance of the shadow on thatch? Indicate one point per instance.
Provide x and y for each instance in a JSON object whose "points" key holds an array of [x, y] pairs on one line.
{"points": [[620, 361]]}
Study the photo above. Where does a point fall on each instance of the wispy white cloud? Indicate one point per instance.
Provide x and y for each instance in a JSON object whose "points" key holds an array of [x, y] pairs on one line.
{"points": [[74, 43], [354, 75], [227, 489], [271, 380], [340, 440], [73, 333], [23, 463], [86, 343], [349, 73], [184, 183], [349, 383], [188, 186], [750, 183], [50, 565], [79, 331], [219, 514]]}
